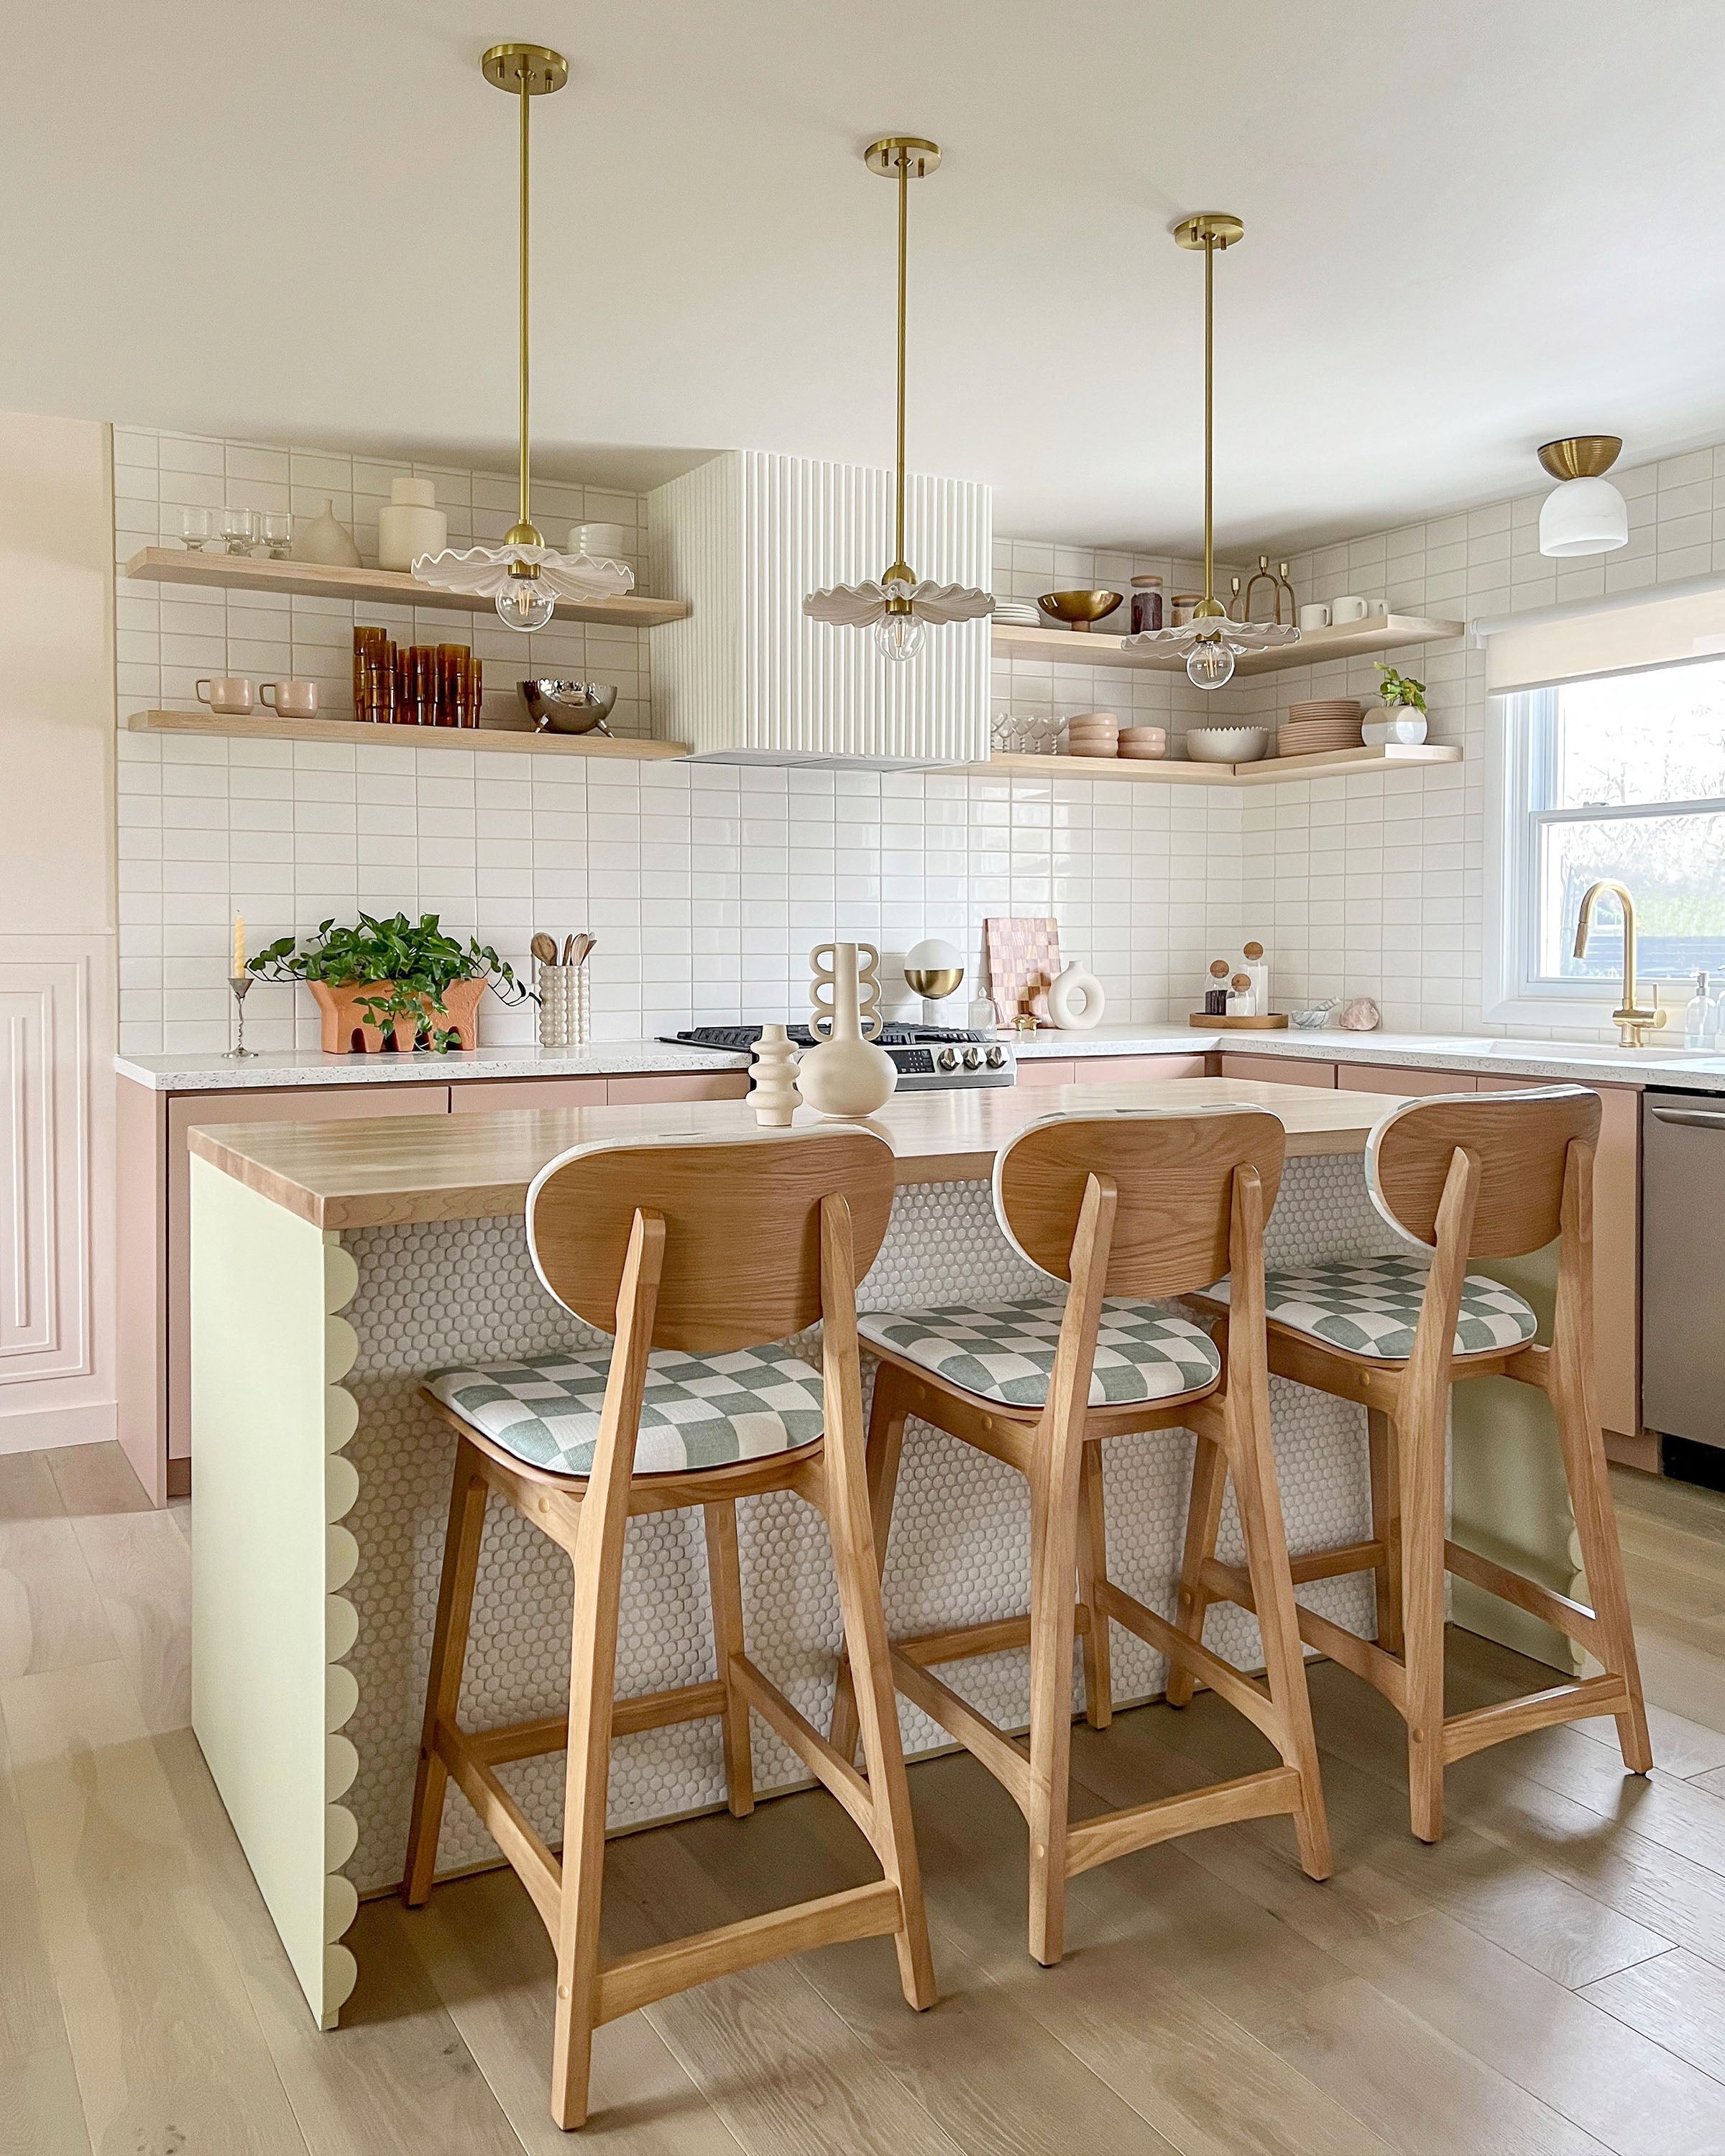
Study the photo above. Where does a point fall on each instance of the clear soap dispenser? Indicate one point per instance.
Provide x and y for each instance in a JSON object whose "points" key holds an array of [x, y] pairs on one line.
{"points": [[1701, 1020]]}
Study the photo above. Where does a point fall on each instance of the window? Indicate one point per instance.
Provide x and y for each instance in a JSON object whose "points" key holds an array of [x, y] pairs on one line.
{"points": [[1621, 777]]}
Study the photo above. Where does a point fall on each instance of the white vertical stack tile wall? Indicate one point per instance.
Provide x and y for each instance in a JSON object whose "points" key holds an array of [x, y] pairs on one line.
{"points": [[707, 886]]}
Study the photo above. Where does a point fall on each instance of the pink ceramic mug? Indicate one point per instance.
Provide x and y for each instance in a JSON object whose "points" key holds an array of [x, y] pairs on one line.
{"points": [[227, 693], [294, 700]]}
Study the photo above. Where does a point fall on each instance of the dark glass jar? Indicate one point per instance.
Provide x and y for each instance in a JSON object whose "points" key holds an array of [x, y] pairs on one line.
{"points": [[1147, 604]]}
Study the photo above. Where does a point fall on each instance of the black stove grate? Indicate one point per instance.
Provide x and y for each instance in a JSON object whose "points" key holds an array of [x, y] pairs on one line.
{"points": [[740, 1039]]}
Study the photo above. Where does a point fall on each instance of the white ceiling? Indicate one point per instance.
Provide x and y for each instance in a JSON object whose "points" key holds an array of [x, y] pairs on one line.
{"points": [[1470, 226]]}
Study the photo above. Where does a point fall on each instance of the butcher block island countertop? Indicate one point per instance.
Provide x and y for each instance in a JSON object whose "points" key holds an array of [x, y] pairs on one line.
{"points": [[439, 1167]]}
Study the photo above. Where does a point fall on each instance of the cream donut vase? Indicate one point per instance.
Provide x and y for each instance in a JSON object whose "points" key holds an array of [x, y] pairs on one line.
{"points": [[1075, 1001], [843, 1074]]}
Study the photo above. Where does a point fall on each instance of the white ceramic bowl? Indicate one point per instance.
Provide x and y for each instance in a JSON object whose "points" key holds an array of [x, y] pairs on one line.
{"points": [[1226, 744], [603, 542]]}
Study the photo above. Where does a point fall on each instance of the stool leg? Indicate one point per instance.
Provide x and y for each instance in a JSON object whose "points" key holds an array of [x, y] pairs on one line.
{"points": [[448, 1653], [886, 1436], [1093, 1574], [1203, 1522], [1386, 1528], [1420, 1447], [1054, 1559], [724, 1584]]}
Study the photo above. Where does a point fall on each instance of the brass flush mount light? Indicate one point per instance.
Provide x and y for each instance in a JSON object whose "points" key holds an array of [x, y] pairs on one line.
{"points": [[1585, 514], [1210, 640], [524, 576], [900, 605]]}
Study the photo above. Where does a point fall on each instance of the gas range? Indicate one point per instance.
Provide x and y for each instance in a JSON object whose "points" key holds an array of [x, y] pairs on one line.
{"points": [[930, 1059]]}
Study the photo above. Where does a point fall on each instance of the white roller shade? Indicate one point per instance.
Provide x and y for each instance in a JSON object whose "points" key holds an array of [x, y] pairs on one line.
{"points": [[1624, 634]]}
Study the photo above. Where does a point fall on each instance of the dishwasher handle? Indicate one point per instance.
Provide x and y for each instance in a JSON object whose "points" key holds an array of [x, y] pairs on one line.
{"points": [[1702, 1119]]}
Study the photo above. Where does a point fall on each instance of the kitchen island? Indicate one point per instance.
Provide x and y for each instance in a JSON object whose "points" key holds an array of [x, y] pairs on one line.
{"points": [[334, 1265]]}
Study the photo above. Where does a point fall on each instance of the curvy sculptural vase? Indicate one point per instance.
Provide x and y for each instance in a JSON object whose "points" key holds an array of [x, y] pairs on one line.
{"points": [[845, 1074]]}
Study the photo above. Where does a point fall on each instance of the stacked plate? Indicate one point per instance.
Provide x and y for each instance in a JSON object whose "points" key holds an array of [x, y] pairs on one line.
{"points": [[1020, 614], [1093, 733], [1319, 725]]}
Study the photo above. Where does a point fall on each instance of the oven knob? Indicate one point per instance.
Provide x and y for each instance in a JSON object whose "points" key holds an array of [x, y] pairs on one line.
{"points": [[973, 1059], [996, 1059], [947, 1059]]}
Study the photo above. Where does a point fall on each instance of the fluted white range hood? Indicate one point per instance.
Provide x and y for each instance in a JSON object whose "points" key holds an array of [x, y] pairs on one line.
{"points": [[748, 679]]}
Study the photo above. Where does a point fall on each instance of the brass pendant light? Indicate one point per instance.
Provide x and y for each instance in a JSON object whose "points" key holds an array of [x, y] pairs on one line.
{"points": [[524, 576], [1210, 640], [899, 605]]}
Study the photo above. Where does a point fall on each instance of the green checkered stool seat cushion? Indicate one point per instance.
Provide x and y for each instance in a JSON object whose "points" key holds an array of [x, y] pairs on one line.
{"points": [[1005, 1351], [696, 1411], [1371, 1306]]}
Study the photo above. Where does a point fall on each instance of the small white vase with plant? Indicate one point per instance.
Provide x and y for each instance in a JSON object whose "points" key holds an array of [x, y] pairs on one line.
{"points": [[1400, 720]]}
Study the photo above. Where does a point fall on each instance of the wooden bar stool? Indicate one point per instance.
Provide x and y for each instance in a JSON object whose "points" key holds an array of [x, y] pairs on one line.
{"points": [[695, 1254], [1458, 1176], [1124, 1207]]}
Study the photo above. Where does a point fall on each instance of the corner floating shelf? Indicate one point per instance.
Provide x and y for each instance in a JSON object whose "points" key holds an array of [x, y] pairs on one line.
{"points": [[265, 726], [315, 580], [1338, 764], [1377, 632]]}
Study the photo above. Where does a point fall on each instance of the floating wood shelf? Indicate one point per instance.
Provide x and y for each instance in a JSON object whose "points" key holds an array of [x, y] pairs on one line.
{"points": [[1337, 763], [1377, 632], [265, 726], [247, 572]]}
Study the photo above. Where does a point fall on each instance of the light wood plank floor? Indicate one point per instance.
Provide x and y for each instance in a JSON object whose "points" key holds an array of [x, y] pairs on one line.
{"points": [[1549, 1981]]}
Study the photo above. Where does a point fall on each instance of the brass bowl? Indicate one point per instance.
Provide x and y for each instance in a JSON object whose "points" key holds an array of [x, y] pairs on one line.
{"points": [[1079, 610], [568, 707]]}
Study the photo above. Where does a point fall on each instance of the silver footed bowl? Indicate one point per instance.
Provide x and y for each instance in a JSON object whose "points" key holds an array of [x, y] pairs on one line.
{"points": [[569, 708]]}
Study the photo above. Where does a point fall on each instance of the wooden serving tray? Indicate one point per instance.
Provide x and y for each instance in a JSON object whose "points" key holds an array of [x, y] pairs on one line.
{"points": [[1273, 1023]]}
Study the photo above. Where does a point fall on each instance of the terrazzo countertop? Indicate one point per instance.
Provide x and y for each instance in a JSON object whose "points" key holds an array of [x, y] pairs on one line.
{"points": [[1556, 1060], [310, 1066]]}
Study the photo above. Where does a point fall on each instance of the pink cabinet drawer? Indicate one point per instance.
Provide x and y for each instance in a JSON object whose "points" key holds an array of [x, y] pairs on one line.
{"points": [[1128, 1069], [1045, 1070], [1387, 1078], [490, 1097], [679, 1086], [1279, 1070]]}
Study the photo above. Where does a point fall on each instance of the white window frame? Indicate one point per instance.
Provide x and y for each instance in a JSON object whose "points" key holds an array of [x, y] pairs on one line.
{"points": [[1513, 992]]}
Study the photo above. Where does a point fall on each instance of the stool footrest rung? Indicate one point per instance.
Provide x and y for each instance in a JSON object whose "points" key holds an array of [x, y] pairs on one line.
{"points": [[636, 1980], [1572, 1618], [1004, 1759], [967, 1641], [1095, 1842], [550, 1732], [1465, 1734], [505, 1821]]}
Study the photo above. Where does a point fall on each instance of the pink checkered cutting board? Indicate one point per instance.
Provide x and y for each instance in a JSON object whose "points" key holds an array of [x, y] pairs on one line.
{"points": [[1024, 958]]}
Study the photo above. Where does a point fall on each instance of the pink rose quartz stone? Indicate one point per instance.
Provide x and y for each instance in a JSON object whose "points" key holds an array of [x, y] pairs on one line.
{"points": [[1361, 1015]]}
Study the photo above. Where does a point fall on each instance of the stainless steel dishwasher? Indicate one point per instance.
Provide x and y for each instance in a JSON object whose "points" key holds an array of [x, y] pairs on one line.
{"points": [[1683, 1264]]}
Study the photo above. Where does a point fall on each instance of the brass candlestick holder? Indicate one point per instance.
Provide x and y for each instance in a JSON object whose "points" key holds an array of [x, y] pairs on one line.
{"points": [[240, 984]]}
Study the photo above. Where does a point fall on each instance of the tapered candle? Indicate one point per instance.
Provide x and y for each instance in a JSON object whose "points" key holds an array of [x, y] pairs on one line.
{"points": [[239, 945]]}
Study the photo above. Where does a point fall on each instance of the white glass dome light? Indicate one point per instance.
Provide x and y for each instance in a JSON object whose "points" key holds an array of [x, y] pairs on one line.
{"points": [[1584, 514]]}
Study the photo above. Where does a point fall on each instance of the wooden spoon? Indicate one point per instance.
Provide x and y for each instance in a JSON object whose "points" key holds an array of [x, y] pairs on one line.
{"points": [[544, 948]]}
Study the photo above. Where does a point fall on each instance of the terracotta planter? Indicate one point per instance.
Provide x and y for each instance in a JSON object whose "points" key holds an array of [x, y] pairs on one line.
{"points": [[348, 1030]]}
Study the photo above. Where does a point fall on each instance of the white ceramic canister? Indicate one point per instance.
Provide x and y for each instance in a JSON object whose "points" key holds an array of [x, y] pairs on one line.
{"points": [[1258, 967], [410, 524]]}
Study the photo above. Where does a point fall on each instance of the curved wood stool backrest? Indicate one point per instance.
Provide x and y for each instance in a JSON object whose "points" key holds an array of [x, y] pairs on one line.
{"points": [[741, 1264], [1520, 1145], [1173, 1175]]}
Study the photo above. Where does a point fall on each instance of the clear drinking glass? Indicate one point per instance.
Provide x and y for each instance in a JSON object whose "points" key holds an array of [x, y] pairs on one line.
{"points": [[239, 529], [278, 534], [192, 527]]}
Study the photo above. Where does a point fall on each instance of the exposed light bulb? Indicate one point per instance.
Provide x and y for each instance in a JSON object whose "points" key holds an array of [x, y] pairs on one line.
{"points": [[898, 636], [1210, 664], [526, 603]]}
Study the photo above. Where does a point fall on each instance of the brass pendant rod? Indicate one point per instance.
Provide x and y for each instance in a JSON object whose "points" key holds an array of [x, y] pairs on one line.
{"points": [[904, 222], [527, 106], [1209, 348]]}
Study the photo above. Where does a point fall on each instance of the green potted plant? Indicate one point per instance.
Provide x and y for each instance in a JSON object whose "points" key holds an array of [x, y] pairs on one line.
{"points": [[398, 980], [1401, 717]]}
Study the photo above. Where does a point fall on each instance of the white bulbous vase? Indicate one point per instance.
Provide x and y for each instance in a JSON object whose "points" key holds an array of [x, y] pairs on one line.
{"points": [[1075, 1000], [843, 1074]]}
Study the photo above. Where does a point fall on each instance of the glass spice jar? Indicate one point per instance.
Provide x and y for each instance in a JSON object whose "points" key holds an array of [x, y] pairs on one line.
{"points": [[1147, 604]]}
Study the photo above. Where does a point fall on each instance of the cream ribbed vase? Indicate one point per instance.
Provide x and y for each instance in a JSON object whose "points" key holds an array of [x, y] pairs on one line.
{"points": [[843, 1074]]}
